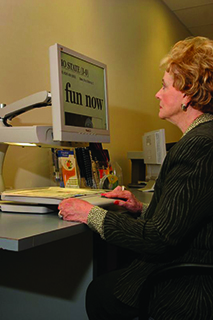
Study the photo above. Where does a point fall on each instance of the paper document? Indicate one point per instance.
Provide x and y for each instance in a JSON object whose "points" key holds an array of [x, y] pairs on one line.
{"points": [[48, 195], [149, 186]]}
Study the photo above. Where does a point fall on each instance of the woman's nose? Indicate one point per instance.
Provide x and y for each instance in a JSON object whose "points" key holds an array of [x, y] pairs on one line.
{"points": [[157, 96]]}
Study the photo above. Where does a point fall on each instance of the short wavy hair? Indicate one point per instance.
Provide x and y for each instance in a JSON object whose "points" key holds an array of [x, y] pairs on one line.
{"points": [[190, 62]]}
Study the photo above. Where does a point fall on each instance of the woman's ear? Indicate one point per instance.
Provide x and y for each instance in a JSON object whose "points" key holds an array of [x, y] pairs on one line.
{"points": [[186, 100]]}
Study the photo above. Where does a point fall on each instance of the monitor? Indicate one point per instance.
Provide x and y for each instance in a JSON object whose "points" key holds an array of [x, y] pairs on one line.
{"points": [[79, 97]]}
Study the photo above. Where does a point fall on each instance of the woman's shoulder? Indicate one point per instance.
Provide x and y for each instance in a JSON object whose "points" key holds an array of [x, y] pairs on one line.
{"points": [[196, 143], [202, 129]]}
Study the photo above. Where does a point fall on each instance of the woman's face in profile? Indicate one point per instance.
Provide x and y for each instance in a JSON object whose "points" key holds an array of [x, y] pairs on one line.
{"points": [[171, 99]]}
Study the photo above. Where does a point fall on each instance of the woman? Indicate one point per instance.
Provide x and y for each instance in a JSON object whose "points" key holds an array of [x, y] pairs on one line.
{"points": [[177, 226]]}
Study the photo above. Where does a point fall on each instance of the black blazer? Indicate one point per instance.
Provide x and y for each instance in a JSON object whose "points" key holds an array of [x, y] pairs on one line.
{"points": [[178, 224]]}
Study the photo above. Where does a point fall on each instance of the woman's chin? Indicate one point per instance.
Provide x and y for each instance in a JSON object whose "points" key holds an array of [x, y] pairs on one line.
{"points": [[160, 115]]}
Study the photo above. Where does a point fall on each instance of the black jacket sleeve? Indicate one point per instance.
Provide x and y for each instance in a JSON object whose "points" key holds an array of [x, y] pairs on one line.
{"points": [[182, 201]]}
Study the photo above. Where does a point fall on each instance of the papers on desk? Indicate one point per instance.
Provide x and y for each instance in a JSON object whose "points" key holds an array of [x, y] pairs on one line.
{"points": [[49, 196], [46, 195], [149, 186]]}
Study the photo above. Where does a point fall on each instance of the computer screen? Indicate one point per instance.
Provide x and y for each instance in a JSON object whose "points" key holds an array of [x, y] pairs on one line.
{"points": [[79, 97]]}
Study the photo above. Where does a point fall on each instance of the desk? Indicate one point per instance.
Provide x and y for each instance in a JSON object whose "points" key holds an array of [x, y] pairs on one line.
{"points": [[24, 231], [46, 268], [142, 196]]}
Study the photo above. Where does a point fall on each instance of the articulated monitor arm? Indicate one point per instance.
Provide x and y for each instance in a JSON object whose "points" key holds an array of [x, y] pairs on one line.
{"points": [[37, 100], [10, 111]]}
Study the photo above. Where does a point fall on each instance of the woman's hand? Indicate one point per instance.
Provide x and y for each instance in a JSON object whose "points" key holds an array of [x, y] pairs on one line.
{"points": [[73, 209], [125, 199]]}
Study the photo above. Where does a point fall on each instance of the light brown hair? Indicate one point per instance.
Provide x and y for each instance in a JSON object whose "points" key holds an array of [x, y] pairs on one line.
{"points": [[190, 62]]}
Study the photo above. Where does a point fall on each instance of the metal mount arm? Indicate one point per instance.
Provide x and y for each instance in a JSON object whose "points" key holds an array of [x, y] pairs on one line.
{"points": [[37, 100], [10, 111]]}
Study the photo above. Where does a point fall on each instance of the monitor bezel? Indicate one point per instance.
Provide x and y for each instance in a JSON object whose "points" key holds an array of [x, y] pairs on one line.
{"points": [[62, 132]]}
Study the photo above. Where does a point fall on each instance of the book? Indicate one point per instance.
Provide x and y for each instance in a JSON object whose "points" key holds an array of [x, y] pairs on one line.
{"points": [[48, 195]]}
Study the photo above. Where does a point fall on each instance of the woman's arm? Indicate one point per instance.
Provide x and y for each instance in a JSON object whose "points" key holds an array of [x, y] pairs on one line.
{"points": [[182, 199]]}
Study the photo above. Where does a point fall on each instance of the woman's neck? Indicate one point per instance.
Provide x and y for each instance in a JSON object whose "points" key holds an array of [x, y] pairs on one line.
{"points": [[187, 118]]}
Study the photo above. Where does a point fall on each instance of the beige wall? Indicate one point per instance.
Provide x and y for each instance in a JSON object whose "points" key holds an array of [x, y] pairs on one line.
{"points": [[130, 36]]}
